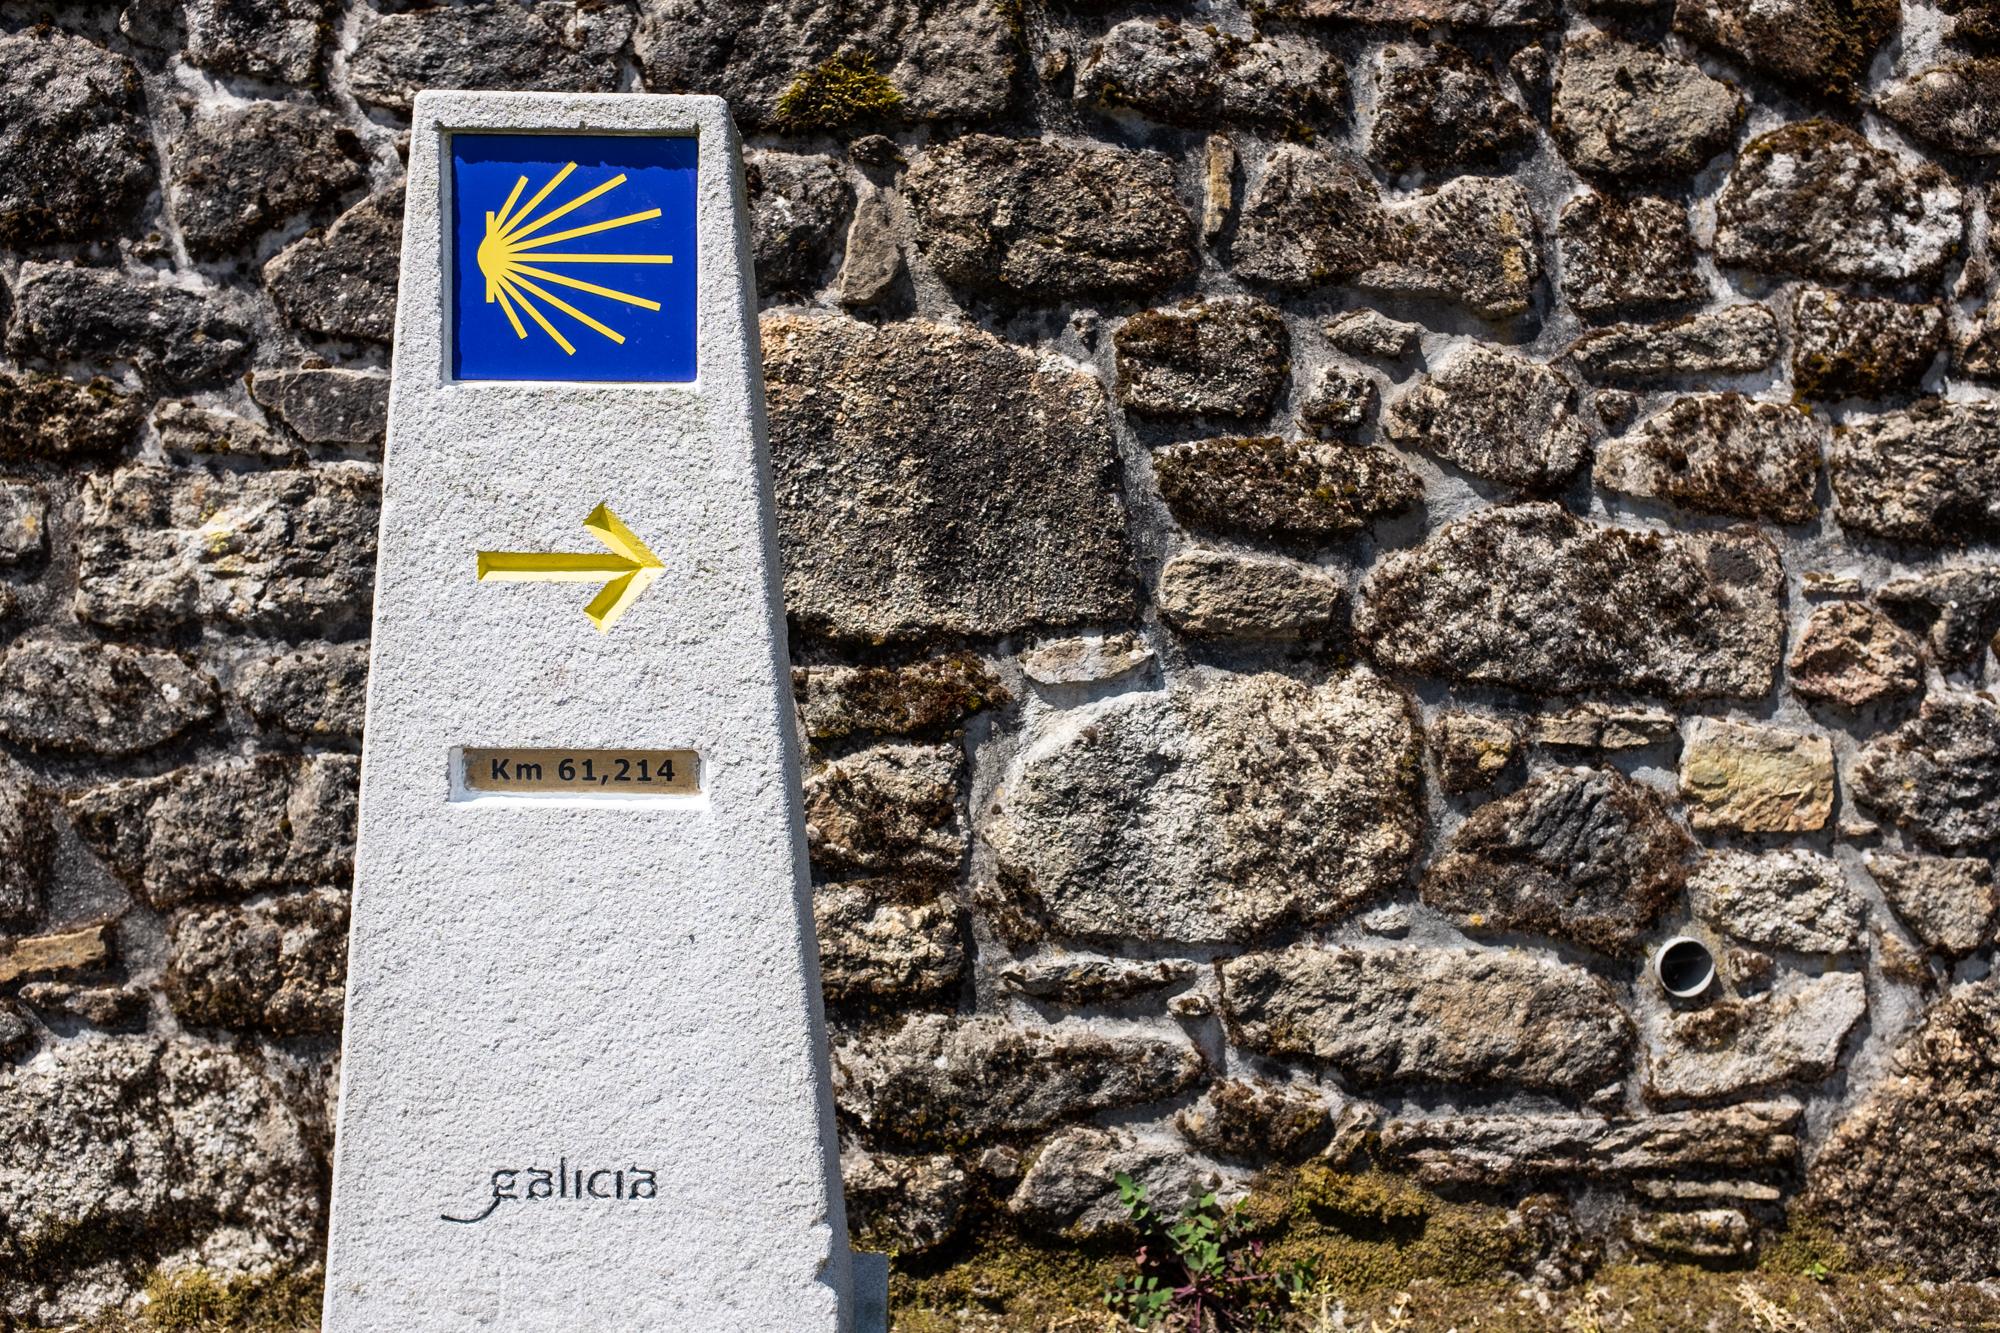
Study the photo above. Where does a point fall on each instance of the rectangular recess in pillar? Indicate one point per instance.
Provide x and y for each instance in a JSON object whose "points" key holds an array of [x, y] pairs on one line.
{"points": [[570, 771]]}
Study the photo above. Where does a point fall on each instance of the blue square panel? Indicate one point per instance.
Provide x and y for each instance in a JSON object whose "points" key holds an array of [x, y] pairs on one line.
{"points": [[573, 257]]}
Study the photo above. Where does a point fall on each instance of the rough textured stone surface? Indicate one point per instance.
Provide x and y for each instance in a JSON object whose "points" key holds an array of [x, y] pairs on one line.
{"points": [[1316, 218], [27, 841], [341, 283], [893, 808], [796, 64], [1975, 23], [1533, 598], [839, 702], [1975, 347], [1815, 199], [798, 209], [1746, 777], [1702, 1235], [1959, 608], [1621, 255], [1424, 1015], [45, 955], [1595, 726], [1584, 854], [278, 40], [1791, 1033], [272, 551], [326, 407], [170, 334], [1026, 219], [1850, 346], [317, 693], [1212, 358], [1313, 218], [1473, 241], [1637, 111], [187, 432], [24, 523], [1296, 494], [1195, 74], [1735, 340], [277, 966], [45, 417], [1341, 404], [933, 479], [1793, 900], [1955, 105], [1821, 46], [113, 1008], [881, 939], [74, 159], [1938, 776], [1370, 333], [1212, 814], [1930, 474], [1720, 453], [79, 695], [1071, 1188], [955, 520], [1218, 186], [1853, 655], [1440, 109], [902, 1205], [556, 46], [872, 271], [238, 170], [1228, 595], [945, 1080], [1083, 979], [1425, 13], [1472, 750], [1258, 1121], [1922, 1146], [189, 1156], [1758, 1138], [1947, 901], [226, 830], [1497, 415]]}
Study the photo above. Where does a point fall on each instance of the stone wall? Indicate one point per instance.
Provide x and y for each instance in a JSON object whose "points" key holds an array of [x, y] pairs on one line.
{"points": [[1317, 538]]}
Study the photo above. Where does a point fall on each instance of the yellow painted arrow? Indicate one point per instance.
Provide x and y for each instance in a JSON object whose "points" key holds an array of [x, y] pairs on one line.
{"points": [[630, 566]]}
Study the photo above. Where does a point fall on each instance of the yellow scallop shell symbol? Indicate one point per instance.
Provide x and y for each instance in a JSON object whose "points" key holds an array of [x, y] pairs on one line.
{"points": [[515, 253]]}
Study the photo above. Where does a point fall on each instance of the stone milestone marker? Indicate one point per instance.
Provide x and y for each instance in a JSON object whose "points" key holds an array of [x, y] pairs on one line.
{"points": [[584, 1082]]}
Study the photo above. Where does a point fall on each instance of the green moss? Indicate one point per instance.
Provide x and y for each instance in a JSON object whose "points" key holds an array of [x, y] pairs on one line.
{"points": [[1628, 1298], [838, 93], [195, 1301], [198, 1302], [1388, 1254], [1361, 1232], [1805, 1248], [190, 1301], [1019, 1280]]}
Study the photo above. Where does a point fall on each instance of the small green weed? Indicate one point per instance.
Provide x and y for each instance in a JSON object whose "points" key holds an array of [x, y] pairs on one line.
{"points": [[1199, 1272]]}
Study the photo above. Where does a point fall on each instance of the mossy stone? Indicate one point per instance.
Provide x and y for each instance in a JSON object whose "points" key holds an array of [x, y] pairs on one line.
{"points": [[837, 94]]}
